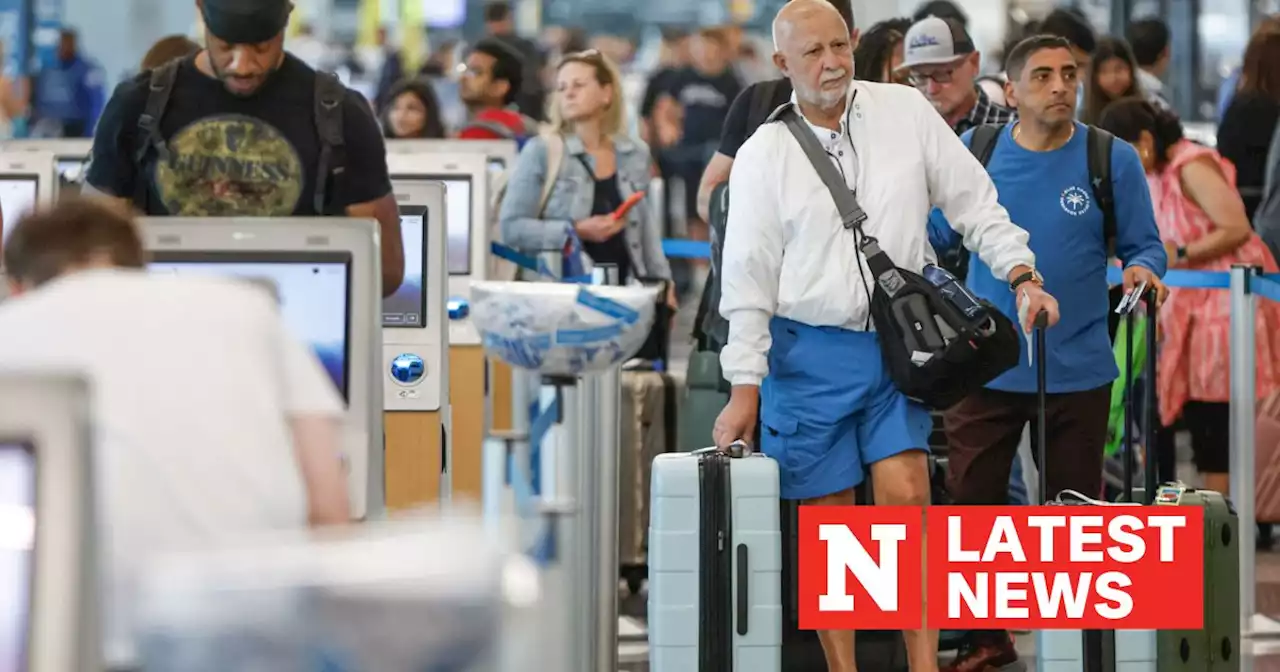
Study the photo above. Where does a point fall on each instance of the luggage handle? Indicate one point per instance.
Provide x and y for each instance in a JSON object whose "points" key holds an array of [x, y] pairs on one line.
{"points": [[1146, 418], [1041, 323], [738, 448]]}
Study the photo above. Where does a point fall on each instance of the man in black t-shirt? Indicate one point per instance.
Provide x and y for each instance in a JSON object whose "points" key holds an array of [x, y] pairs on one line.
{"points": [[704, 91], [740, 123], [239, 133]]}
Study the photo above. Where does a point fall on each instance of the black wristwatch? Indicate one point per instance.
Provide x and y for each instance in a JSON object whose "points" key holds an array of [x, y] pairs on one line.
{"points": [[1030, 276], [1180, 254]]}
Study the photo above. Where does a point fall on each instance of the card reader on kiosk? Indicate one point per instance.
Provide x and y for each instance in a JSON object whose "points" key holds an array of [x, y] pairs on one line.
{"points": [[50, 584], [327, 275], [27, 179], [71, 156], [415, 368], [466, 257]]}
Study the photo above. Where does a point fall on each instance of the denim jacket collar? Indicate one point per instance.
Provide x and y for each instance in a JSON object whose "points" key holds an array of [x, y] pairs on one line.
{"points": [[621, 144]]}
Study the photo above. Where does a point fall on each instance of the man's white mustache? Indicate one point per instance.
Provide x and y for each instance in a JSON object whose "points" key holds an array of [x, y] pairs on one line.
{"points": [[835, 76]]}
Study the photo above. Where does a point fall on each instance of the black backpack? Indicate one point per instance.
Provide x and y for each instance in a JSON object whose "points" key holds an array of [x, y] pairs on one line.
{"points": [[329, 94], [710, 330], [983, 145]]}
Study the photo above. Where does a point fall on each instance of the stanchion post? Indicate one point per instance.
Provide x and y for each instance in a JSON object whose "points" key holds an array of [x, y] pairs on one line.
{"points": [[1243, 409], [605, 553]]}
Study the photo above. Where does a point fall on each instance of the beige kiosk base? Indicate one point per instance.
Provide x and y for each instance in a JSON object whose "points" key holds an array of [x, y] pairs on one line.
{"points": [[500, 394], [466, 399], [413, 440]]}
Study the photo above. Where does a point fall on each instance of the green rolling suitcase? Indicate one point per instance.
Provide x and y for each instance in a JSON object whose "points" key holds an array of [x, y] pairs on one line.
{"points": [[706, 394], [1216, 648]]}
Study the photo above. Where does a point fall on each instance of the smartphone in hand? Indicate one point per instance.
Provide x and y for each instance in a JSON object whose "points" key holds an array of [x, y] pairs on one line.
{"points": [[626, 206]]}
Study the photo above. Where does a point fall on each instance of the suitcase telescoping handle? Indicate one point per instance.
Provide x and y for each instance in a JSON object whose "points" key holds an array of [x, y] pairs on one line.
{"points": [[1041, 323], [738, 448], [1146, 421]]}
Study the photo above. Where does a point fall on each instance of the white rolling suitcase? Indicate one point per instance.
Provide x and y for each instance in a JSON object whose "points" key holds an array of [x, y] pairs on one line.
{"points": [[715, 563]]}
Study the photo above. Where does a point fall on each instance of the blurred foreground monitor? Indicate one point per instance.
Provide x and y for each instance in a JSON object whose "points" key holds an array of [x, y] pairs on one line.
{"points": [[406, 596]]}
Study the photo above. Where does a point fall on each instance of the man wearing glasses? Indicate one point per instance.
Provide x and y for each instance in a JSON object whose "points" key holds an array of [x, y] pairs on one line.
{"points": [[940, 60]]}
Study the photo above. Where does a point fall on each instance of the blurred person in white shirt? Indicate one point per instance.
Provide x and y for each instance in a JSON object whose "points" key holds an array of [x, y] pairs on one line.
{"points": [[801, 352], [211, 420]]}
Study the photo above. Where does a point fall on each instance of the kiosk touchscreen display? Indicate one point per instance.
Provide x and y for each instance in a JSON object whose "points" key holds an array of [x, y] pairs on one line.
{"points": [[17, 198], [408, 305], [17, 544], [457, 214], [313, 290], [458, 225], [70, 175]]}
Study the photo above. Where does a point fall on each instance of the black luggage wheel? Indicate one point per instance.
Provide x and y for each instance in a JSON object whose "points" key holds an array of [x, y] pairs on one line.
{"points": [[635, 576]]}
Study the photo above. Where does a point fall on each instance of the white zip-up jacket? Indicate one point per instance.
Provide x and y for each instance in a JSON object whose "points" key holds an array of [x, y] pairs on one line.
{"points": [[786, 252]]}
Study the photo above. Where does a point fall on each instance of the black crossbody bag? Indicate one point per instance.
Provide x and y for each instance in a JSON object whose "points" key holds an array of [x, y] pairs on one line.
{"points": [[936, 354]]}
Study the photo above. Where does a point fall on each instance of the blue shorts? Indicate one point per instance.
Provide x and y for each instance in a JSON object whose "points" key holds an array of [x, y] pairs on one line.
{"points": [[829, 407]]}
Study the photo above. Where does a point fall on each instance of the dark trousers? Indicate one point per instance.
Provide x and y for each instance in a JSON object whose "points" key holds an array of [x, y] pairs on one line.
{"points": [[984, 429]]}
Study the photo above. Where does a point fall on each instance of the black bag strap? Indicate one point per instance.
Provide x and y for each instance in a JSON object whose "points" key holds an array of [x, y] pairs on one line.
{"points": [[328, 119], [160, 89], [761, 104], [1099, 154], [983, 141], [852, 216]]}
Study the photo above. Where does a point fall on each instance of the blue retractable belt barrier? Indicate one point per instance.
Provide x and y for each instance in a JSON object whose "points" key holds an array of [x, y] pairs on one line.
{"points": [[1266, 286], [686, 249], [532, 264]]}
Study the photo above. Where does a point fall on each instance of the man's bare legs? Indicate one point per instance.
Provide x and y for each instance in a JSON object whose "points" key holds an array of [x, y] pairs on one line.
{"points": [[903, 480], [837, 645]]}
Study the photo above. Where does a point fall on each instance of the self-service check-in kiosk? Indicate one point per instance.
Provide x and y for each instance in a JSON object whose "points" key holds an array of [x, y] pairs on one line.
{"points": [[500, 154], [70, 155], [27, 179], [466, 257], [500, 157], [415, 365], [327, 276], [49, 584]]}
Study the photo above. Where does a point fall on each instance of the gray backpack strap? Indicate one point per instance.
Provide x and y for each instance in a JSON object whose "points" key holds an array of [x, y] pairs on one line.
{"points": [[328, 119], [159, 91], [851, 214]]}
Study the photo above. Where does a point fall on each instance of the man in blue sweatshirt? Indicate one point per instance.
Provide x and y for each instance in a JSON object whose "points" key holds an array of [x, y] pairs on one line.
{"points": [[1040, 168], [69, 93]]}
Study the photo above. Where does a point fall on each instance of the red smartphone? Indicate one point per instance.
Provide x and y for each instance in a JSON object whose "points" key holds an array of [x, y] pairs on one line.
{"points": [[626, 206]]}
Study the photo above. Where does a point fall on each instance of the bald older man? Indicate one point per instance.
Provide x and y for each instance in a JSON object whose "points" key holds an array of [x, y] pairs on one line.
{"points": [[796, 289]]}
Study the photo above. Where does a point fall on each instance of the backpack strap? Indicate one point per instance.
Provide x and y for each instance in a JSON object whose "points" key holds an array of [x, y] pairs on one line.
{"points": [[1099, 154], [329, 128], [983, 141], [761, 104], [160, 88]]}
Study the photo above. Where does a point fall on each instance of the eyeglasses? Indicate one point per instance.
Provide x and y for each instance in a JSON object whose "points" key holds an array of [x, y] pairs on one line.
{"points": [[921, 79]]}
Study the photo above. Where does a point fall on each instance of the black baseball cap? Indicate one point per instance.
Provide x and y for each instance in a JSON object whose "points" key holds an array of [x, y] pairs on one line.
{"points": [[246, 21]]}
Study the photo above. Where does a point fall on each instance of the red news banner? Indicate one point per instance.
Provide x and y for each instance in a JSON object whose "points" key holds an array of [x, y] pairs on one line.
{"points": [[1002, 567]]}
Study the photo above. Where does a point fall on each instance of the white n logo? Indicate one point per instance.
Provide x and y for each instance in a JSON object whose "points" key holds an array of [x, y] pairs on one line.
{"points": [[846, 554]]}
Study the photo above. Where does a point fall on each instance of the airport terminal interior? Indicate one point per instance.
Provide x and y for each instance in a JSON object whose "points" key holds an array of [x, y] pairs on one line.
{"points": [[506, 427]]}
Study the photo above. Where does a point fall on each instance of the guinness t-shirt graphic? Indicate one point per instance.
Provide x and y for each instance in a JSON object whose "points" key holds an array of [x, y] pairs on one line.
{"points": [[230, 165], [233, 156]]}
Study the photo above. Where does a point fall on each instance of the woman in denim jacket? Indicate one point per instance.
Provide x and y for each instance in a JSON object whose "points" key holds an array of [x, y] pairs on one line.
{"points": [[600, 168]]}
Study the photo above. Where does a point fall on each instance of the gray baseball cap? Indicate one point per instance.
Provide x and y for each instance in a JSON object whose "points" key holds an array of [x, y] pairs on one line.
{"points": [[935, 41]]}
